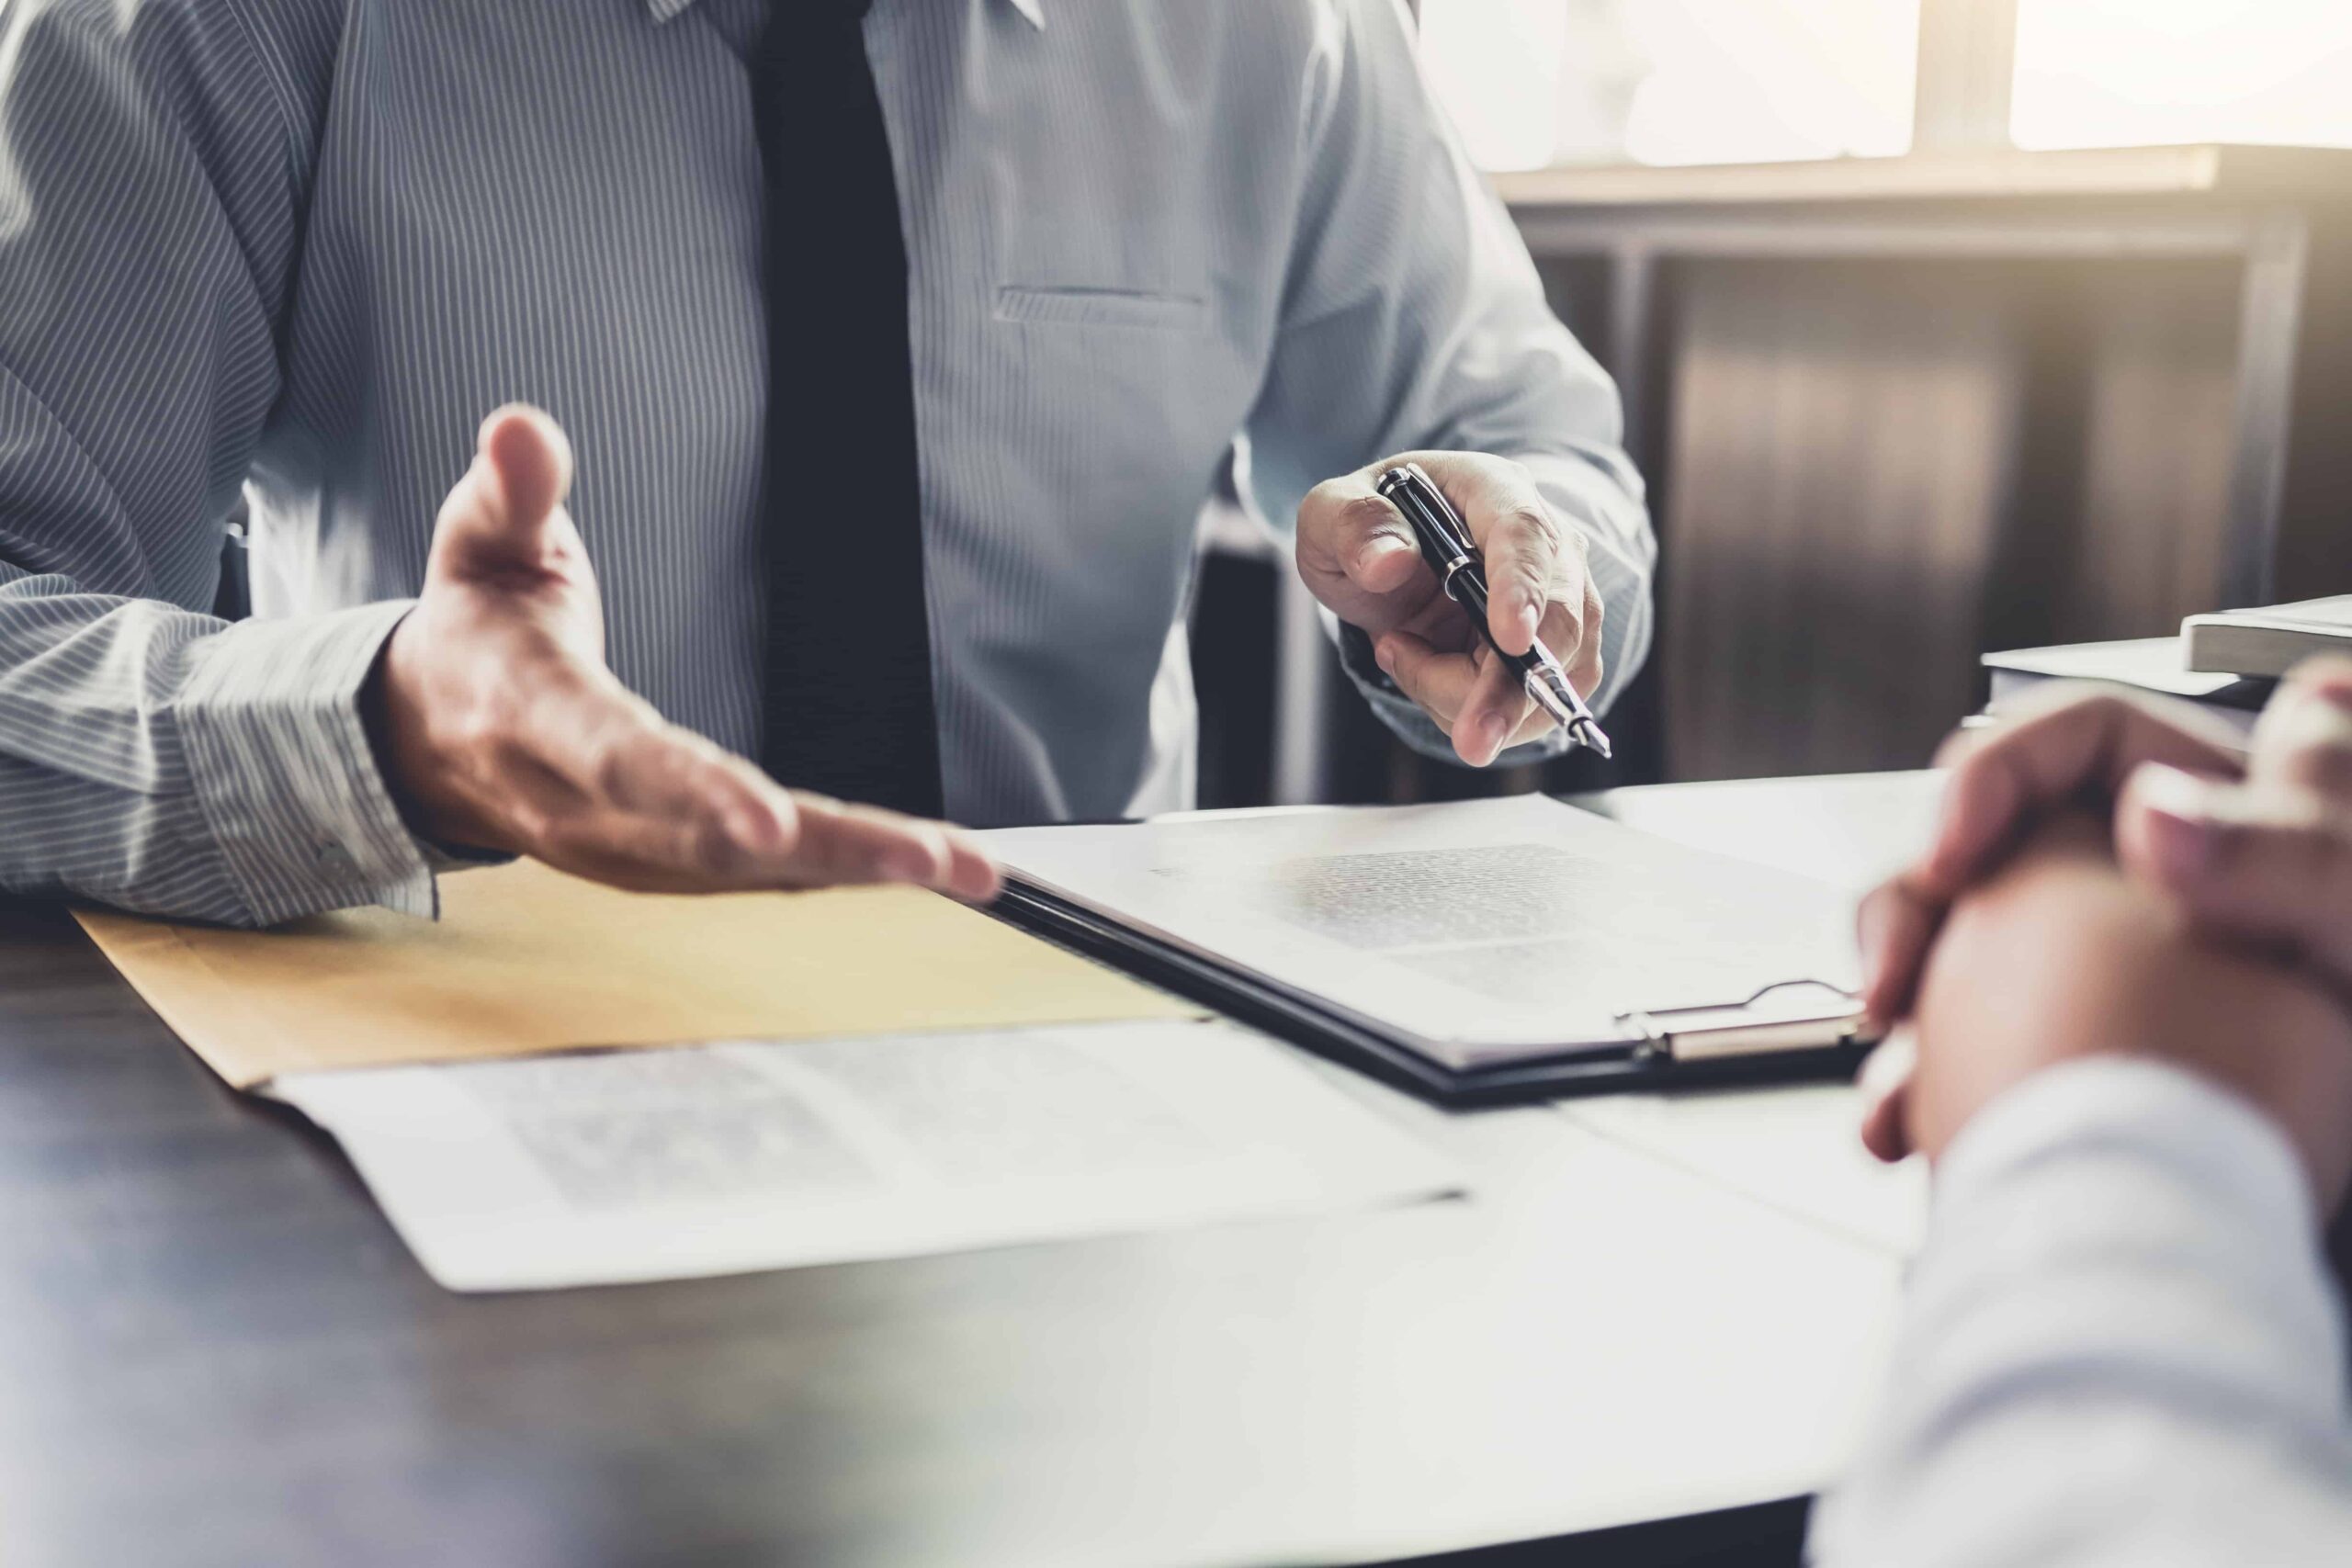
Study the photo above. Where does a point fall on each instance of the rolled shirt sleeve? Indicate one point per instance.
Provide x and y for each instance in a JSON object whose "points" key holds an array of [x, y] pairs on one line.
{"points": [[152, 756], [2122, 1346], [1414, 319]]}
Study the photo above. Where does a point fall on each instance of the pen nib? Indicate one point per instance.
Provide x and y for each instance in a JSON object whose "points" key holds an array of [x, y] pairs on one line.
{"points": [[1548, 684]]}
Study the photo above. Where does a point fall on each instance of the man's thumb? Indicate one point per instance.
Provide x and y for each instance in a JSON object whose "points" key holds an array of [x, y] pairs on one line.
{"points": [[530, 464], [506, 514]]}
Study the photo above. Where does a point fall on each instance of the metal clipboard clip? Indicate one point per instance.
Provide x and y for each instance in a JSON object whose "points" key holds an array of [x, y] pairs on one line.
{"points": [[1788, 1015]]}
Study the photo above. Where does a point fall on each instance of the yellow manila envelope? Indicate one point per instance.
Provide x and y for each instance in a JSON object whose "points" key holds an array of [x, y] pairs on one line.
{"points": [[526, 959]]}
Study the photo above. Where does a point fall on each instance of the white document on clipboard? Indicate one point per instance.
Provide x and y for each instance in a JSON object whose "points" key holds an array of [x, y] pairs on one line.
{"points": [[1476, 933]]}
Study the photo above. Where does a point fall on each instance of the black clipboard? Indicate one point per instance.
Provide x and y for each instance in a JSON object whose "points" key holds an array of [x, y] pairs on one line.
{"points": [[1693, 1047]]}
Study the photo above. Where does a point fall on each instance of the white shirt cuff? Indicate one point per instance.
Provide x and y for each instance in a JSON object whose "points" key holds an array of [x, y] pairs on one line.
{"points": [[283, 771]]}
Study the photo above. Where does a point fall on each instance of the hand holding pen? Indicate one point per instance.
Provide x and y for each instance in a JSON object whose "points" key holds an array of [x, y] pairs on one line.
{"points": [[1359, 554], [1461, 568]]}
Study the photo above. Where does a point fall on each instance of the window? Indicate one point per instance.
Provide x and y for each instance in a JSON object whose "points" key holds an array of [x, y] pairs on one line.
{"points": [[1537, 81], [1533, 82], [2135, 73]]}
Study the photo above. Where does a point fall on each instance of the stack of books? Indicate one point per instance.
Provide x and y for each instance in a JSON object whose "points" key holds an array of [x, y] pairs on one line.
{"points": [[2227, 664], [2156, 664], [2268, 642]]}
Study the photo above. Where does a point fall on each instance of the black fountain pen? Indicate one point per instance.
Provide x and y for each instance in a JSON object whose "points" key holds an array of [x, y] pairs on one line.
{"points": [[1446, 545]]}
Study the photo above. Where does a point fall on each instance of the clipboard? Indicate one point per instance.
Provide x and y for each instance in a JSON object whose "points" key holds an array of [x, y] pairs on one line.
{"points": [[1792, 1031]]}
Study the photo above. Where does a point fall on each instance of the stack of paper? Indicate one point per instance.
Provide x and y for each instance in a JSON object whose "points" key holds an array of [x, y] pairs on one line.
{"points": [[908, 1075]]}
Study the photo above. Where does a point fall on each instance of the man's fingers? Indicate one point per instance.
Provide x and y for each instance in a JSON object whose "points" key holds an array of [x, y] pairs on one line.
{"points": [[2070, 749], [505, 515], [1440, 683], [1885, 1083], [1536, 577], [827, 844], [2269, 860], [843, 844], [651, 854], [972, 875], [2303, 741], [2265, 865], [1896, 925], [1531, 571], [1478, 707], [1348, 528], [531, 459], [1358, 554], [1535, 725], [1493, 712], [660, 810], [682, 812], [1575, 640], [2080, 746], [1535, 565]]}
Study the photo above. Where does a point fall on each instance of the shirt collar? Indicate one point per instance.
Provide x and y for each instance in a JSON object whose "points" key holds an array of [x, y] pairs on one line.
{"points": [[1035, 10]]}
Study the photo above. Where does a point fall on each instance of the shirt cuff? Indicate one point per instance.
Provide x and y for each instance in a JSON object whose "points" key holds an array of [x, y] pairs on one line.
{"points": [[284, 773]]}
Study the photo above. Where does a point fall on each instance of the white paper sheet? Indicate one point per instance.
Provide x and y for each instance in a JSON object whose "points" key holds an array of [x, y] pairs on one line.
{"points": [[603, 1167], [1480, 931]]}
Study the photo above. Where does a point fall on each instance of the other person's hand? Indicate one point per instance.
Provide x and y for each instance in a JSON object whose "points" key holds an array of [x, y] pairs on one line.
{"points": [[2255, 850], [498, 726], [2059, 954], [1357, 554]]}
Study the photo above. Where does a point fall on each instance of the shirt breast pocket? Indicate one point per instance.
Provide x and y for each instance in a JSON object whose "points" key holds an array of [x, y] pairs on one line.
{"points": [[1099, 365], [1136, 310]]}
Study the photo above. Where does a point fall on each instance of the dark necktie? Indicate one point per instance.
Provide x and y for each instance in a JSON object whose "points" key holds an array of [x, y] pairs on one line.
{"points": [[847, 704]]}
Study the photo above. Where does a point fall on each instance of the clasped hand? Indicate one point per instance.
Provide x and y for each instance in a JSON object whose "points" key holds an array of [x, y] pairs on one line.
{"points": [[1357, 554], [2108, 875]]}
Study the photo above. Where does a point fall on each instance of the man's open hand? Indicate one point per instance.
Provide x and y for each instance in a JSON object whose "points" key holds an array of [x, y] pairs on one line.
{"points": [[1357, 555], [498, 727]]}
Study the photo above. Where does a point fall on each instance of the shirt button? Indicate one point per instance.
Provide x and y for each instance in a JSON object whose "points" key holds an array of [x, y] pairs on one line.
{"points": [[336, 861]]}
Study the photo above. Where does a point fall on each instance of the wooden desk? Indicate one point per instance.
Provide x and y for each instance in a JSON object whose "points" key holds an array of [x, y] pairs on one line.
{"points": [[214, 1351]]}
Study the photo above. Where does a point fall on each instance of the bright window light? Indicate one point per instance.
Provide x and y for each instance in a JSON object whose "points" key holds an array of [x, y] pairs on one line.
{"points": [[1497, 64], [1537, 81], [2146, 72]]}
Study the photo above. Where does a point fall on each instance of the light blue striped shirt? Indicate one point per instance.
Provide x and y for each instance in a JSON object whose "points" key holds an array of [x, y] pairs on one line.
{"points": [[300, 247]]}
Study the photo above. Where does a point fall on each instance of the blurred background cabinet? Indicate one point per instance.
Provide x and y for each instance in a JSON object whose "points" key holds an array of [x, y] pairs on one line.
{"points": [[1898, 413]]}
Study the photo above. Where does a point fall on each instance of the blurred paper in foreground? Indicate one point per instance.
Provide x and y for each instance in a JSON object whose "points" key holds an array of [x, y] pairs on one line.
{"points": [[599, 1169]]}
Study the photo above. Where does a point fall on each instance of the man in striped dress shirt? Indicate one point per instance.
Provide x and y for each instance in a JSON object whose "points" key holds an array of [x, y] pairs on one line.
{"points": [[296, 252]]}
